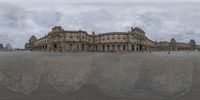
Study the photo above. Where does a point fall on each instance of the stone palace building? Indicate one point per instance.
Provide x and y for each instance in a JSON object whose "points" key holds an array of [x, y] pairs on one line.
{"points": [[60, 40]]}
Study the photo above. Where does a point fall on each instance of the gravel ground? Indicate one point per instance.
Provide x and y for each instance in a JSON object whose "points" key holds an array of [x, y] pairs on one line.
{"points": [[100, 76]]}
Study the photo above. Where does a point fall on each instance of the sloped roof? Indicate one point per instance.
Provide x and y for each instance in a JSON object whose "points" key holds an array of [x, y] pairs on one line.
{"points": [[138, 29], [33, 37], [173, 40]]}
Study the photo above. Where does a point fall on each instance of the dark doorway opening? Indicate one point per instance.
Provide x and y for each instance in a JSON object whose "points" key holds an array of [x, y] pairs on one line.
{"points": [[140, 47], [132, 47], [83, 47], [55, 46], [108, 47]]}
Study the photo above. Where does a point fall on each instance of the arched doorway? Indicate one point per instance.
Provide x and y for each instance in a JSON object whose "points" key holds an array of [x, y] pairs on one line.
{"points": [[55, 47], [132, 48], [140, 47]]}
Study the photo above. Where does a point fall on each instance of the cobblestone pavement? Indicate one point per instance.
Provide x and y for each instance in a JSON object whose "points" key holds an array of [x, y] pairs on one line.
{"points": [[100, 76]]}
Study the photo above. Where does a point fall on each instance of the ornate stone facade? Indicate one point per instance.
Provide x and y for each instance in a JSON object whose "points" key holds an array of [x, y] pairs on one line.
{"points": [[60, 40], [174, 46]]}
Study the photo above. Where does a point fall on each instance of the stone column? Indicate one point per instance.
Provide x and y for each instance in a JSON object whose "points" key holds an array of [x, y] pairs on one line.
{"points": [[129, 47]]}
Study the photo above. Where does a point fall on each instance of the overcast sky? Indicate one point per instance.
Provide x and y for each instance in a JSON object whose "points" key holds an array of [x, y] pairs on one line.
{"points": [[19, 19], [112, 1]]}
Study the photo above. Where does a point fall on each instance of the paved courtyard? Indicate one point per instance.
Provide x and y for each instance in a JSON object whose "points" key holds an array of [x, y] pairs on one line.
{"points": [[100, 76]]}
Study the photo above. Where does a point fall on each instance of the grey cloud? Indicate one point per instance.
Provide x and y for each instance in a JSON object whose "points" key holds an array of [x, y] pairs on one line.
{"points": [[159, 21], [45, 18], [11, 16]]}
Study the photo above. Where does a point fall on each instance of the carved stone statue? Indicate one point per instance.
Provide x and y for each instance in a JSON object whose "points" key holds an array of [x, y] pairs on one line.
{"points": [[131, 29], [57, 29]]}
